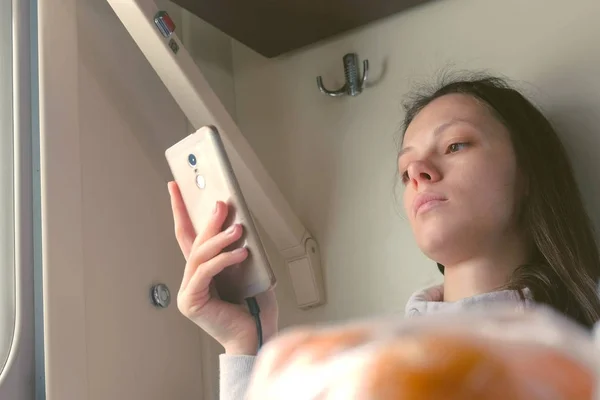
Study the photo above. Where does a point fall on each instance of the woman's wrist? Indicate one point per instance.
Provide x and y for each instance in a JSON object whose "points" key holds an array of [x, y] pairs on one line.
{"points": [[241, 349]]}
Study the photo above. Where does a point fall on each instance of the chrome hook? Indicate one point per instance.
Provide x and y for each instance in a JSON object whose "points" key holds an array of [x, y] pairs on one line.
{"points": [[354, 83]]}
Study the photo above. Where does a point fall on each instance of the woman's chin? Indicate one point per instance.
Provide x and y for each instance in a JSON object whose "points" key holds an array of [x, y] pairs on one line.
{"points": [[438, 245]]}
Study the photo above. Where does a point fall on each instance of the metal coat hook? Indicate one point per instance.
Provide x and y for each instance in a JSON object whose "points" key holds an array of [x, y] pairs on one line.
{"points": [[354, 82]]}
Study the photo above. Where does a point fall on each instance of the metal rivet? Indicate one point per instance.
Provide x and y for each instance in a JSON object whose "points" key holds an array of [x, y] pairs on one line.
{"points": [[161, 297]]}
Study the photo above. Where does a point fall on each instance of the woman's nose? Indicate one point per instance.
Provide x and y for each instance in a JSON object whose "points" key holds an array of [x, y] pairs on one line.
{"points": [[423, 172]]}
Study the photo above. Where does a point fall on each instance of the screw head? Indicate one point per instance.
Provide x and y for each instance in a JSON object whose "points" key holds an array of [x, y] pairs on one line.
{"points": [[174, 46], [161, 296]]}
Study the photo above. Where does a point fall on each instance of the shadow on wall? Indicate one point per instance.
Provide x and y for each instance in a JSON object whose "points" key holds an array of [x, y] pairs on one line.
{"points": [[121, 69]]}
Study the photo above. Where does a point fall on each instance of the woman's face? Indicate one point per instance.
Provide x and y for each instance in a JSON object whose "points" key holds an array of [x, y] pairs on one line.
{"points": [[461, 183]]}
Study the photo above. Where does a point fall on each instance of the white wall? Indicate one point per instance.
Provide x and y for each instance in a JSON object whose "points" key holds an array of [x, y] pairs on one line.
{"points": [[212, 51], [334, 158], [106, 119]]}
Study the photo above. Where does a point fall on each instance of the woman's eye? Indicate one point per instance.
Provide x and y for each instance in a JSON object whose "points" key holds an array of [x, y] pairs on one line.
{"points": [[454, 147]]}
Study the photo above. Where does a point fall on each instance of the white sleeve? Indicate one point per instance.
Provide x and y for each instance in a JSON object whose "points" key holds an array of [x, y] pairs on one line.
{"points": [[235, 373]]}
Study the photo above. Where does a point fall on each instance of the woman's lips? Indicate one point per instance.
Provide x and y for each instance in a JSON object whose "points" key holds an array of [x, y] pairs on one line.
{"points": [[426, 201]]}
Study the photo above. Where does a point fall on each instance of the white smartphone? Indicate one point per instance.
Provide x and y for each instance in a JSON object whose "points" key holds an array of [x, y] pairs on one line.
{"points": [[203, 172]]}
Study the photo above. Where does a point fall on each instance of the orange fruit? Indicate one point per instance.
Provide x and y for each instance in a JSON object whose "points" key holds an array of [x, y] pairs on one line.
{"points": [[435, 367]]}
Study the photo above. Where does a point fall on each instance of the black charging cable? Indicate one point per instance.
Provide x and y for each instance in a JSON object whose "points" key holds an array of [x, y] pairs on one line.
{"points": [[255, 312]]}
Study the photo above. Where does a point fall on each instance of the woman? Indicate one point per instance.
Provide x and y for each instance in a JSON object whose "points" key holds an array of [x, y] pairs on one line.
{"points": [[490, 196]]}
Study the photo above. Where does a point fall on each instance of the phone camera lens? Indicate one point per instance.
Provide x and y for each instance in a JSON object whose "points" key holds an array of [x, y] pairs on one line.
{"points": [[192, 160]]}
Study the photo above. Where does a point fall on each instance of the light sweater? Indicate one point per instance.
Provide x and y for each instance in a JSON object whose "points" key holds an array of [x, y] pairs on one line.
{"points": [[235, 371]]}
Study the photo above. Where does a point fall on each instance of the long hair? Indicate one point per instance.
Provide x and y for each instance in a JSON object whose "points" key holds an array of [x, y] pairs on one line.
{"points": [[565, 267]]}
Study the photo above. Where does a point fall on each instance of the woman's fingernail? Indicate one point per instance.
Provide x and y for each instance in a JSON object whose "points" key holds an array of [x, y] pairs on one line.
{"points": [[231, 229], [239, 251]]}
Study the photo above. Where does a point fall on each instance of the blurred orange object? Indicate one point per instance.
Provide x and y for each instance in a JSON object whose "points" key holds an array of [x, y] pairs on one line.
{"points": [[460, 368], [492, 356]]}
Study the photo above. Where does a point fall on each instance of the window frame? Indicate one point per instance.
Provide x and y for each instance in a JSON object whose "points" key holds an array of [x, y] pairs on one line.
{"points": [[18, 370]]}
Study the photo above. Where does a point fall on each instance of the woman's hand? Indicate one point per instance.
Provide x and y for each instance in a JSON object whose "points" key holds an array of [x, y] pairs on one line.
{"points": [[230, 324]]}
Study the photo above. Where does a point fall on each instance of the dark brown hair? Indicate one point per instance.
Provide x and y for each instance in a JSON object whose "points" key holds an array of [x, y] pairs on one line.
{"points": [[565, 267]]}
